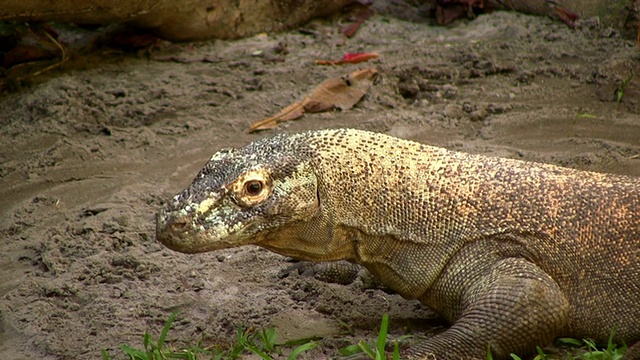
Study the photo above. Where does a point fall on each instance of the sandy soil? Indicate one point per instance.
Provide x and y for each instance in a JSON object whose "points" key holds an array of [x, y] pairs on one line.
{"points": [[88, 156]]}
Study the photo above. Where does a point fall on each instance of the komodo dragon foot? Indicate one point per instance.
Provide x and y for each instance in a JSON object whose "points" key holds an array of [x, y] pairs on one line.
{"points": [[335, 272]]}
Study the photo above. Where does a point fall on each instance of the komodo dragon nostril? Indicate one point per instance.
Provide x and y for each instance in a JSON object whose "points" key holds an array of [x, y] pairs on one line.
{"points": [[179, 224]]}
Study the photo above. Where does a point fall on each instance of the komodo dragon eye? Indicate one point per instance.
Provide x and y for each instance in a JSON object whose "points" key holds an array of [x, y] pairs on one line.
{"points": [[253, 187]]}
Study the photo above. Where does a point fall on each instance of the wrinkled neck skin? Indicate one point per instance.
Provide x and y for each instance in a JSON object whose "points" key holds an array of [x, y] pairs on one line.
{"points": [[314, 239], [327, 237]]}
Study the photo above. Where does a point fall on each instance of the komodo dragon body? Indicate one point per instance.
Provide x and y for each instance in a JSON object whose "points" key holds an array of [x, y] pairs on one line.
{"points": [[511, 253]]}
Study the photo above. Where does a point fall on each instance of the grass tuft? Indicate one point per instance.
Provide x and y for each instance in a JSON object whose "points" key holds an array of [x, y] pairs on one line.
{"points": [[376, 352], [622, 89], [262, 343], [591, 350]]}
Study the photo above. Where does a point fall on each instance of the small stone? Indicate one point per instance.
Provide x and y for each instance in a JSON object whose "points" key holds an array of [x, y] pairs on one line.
{"points": [[408, 89], [525, 77], [498, 108], [551, 37], [478, 115], [469, 108], [453, 111], [449, 91]]}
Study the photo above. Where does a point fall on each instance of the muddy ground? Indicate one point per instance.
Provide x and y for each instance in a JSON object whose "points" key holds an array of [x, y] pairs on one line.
{"points": [[88, 156]]}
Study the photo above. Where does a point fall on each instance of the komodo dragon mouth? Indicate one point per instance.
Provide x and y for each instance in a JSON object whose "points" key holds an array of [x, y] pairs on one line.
{"points": [[178, 232]]}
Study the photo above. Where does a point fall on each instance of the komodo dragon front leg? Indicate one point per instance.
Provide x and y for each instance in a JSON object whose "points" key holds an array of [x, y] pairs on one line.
{"points": [[494, 301], [506, 301], [511, 253]]}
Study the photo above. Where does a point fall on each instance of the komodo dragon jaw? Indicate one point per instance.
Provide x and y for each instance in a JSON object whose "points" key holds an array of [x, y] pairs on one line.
{"points": [[237, 199]]}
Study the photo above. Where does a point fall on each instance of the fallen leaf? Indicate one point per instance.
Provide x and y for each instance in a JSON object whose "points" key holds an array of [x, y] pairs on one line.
{"points": [[26, 53], [568, 17], [335, 93], [446, 15], [350, 58], [449, 10], [351, 29]]}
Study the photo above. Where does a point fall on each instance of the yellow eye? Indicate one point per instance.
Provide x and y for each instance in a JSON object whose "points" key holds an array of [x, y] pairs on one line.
{"points": [[253, 187]]}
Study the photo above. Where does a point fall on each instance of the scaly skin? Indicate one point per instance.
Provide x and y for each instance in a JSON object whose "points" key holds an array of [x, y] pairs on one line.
{"points": [[511, 253]]}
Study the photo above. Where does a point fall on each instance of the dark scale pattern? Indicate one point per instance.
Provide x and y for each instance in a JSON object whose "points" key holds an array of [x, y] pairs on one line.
{"points": [[512, 253]]}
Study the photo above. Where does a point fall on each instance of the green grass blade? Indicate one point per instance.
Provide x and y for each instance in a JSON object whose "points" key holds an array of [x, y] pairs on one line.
{"points": [[396, 350], [302, 341], [268, 338], [146, 341], [165, 329], [134, 354], [242, 337], [585, 116], [366, 349], [174, 355], [382, 335], [185, 355], [610, 345], [349, 350], [149, 346], [348, 328], [254, 349], [569, 341], [623, 87], [541, 354], [591, 345], [300, 349], [105, 355]]}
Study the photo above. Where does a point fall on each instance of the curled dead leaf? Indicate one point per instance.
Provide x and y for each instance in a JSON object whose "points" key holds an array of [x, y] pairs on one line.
{"points": [[335, 93]]}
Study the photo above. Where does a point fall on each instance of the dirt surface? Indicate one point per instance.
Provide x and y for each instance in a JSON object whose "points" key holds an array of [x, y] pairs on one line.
{"points": [[88, 156]]}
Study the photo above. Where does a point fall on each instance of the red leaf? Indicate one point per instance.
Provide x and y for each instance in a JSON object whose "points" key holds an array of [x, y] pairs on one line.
{"points": [[350, 58], [350, 30], [568, 17]]}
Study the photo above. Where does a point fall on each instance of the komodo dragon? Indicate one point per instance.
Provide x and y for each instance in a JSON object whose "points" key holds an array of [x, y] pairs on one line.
{"points": [[511, 253]]}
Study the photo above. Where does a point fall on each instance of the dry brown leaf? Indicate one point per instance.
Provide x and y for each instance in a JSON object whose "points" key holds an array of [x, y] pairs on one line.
{"points": [[350, 30], [568, 17], [26, 53], [341, 93]]}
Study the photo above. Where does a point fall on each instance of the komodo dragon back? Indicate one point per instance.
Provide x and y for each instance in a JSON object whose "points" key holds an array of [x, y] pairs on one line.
{"points": [[511, 253]]}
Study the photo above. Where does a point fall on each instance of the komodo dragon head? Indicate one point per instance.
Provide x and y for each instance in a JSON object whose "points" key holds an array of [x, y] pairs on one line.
{"points": [[242, 196]]}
